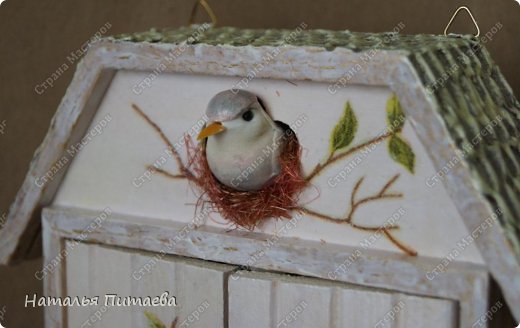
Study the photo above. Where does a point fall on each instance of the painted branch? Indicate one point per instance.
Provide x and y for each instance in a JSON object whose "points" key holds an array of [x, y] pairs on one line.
{"points": [[343, 221], [333, 158], [184, 170], [405, 248], [355, 204], [384, 229], [166, 173]]}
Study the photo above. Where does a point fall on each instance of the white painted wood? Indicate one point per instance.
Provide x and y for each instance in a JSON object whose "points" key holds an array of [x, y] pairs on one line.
{"points": [[162, 276], [77, 279], [201, 287], [104, 172], [426, 312], [466, 283], [198, 286], [244, 293], [110, 275], [67, 128], [361, 308], [53, 274], [306, 302]]}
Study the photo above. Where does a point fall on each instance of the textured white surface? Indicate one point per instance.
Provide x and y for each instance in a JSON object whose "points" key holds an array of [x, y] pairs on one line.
{"points": [[103, 173], [94, 270], [309, 303], [466, 283]]}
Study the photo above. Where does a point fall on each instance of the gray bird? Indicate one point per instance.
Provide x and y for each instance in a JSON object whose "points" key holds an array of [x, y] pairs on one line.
{"points": [[243, 143]]}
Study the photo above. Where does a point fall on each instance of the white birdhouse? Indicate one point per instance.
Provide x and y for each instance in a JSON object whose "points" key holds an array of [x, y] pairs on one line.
{"points": [[219, 177]]}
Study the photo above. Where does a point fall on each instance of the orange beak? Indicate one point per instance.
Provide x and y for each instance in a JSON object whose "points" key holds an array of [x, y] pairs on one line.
{"points": [[210, 130]]}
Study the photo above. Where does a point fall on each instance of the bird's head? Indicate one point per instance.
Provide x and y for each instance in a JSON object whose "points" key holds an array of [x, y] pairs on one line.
{"points": [[239, 111]]}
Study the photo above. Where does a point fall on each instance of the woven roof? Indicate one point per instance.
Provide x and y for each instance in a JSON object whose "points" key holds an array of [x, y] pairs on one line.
{"points": [[474, 95], [319, 38]]}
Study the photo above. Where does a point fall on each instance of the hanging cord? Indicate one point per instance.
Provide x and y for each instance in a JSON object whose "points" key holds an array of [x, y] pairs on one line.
{"points": [[455, 15], [208, 10]]}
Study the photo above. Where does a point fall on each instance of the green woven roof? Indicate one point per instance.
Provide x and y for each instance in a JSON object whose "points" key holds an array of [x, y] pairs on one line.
{"points": [[472, 97], [320, 38]]}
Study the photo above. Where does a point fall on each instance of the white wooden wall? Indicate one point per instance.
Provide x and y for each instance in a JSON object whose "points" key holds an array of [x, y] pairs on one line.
{"points": [[208, 294], [98, 270], [275, 300], [109, 170]]}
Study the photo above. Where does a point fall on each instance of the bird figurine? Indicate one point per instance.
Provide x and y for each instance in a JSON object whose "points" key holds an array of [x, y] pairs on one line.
{"points": [[249, 166], [243, 143]]}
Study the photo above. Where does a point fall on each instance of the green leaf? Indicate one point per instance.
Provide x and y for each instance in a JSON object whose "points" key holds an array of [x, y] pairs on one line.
{"points": [[394, 114], [402, 153], [153, 321], [345, 131]]}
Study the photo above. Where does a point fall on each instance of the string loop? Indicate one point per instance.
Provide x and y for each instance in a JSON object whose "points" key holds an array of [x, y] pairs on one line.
{"points": [[455, 15], [208, 10]]}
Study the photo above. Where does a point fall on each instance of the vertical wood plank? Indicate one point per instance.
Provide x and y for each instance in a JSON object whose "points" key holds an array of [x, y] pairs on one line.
{"points": [[426, 312], [200, 286], [158, 276], [111, 275], [245, 291], [363, 308], [302, 302], [78, 278], [53, 279]]}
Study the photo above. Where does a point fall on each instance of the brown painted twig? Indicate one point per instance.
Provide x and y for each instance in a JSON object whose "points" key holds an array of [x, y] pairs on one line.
{"points": [[342, 221], [356, 203], [405, 248], [185, 172], [165, 173], [333, 157]]}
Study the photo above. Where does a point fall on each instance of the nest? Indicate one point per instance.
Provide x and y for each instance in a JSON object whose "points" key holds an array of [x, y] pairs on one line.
{"points": [[248, 209]]}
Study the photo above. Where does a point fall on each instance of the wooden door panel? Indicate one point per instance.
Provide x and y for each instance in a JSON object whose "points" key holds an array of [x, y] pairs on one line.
{"points": [[260, 300]]}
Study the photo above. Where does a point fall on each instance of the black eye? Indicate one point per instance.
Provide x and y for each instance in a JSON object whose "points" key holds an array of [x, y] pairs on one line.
{"points": [[248, 116]]}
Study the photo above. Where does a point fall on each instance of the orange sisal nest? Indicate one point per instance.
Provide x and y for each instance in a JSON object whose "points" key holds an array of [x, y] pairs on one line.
{"points": [[249, 208]]}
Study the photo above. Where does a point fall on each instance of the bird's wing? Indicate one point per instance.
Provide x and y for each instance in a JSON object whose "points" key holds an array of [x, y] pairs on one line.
{"points": [[292, 144], [285, 127]]}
